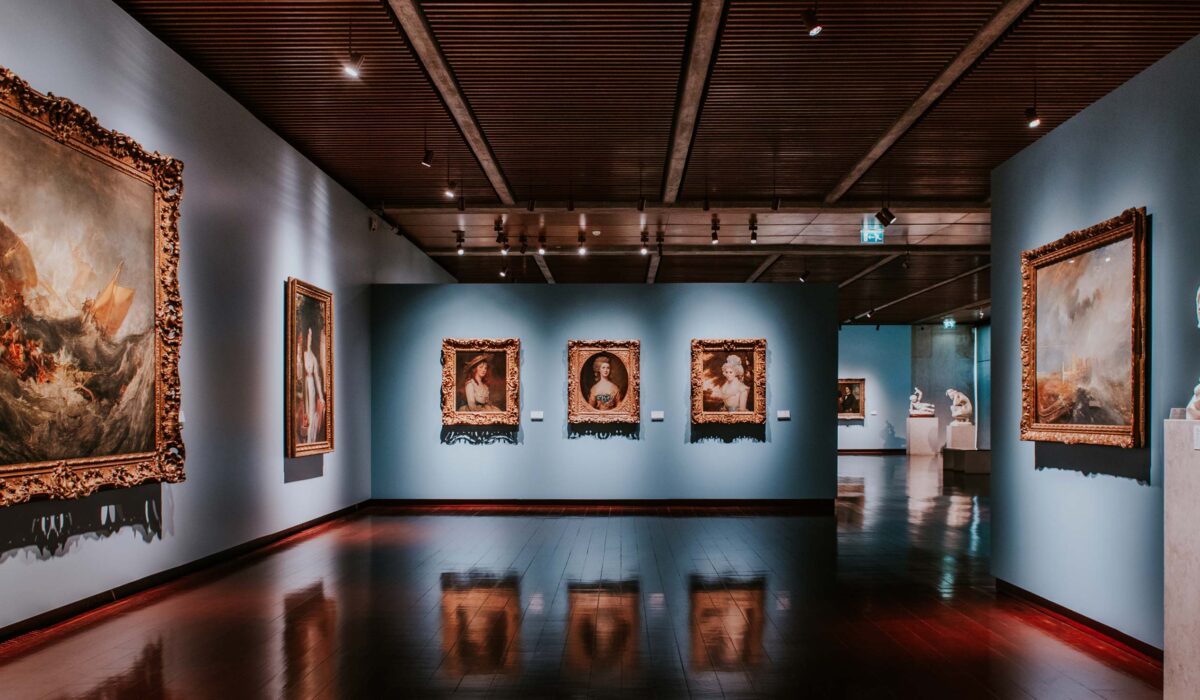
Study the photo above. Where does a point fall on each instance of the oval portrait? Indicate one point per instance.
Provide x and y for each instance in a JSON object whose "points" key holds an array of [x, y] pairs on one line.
{"points": [[604, 381]]}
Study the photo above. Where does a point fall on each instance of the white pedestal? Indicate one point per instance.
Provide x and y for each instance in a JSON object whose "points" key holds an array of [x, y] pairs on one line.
{"points": [[1181, 534], [923, 435], [960, 436]]}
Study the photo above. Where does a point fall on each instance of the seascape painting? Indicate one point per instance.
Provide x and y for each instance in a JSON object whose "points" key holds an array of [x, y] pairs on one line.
{"points": [[1084, 335], [310, 369], [77, 304]]}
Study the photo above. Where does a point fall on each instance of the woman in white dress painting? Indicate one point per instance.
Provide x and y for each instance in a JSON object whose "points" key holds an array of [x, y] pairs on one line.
{"points": [[732, 394], [314, 392], [476, 390], [604, 394]]}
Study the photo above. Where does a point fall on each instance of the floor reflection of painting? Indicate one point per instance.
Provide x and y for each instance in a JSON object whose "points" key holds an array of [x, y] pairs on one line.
{"points": [[602, 626], [480, 623], [77, 290], [727, 623], [309, 640]]}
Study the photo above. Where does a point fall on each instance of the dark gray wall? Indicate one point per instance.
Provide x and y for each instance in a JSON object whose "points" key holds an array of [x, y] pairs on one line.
{"points": [[983, 386], [883, 357], [254, 212], [1083, 526], [943, 358], [671, 459]]}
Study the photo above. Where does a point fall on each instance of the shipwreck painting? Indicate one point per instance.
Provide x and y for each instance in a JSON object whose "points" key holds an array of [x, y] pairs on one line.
{"points": [[309, 338], [1083, 345], [90, 316]]}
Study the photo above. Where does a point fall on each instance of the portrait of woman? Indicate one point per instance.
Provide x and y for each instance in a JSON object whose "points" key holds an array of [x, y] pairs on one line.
{"points": [[604, 395], [728, 381], [603, 381], [729, 392], [309, 370], [480, 381], [475, 382]]}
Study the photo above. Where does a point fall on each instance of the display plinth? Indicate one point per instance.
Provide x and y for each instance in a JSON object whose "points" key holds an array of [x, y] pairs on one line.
{"points": [[1181, 538], [923, 435], [960, 436], [967, 461]]}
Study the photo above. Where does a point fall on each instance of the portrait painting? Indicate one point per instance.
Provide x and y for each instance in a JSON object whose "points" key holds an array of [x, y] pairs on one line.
{"points": [[480, 381], [481, 622], [729, 381], [728, 617], [852, 399], [602, 381], [90, 313], [309, 339], [602, 626], [1083, 336]]}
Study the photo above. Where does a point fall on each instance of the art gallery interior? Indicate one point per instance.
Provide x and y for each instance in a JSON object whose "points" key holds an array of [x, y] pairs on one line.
{"points": [[415, 348]]}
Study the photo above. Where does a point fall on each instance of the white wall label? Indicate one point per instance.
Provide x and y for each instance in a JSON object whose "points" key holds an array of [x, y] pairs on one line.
{"points": [[656, 416], [537, 415], [783, 415], [874, 413], [1196, 437]]}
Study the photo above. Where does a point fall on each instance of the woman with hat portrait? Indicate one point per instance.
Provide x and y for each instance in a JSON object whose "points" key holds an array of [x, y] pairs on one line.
{"points": [[477, 391]]}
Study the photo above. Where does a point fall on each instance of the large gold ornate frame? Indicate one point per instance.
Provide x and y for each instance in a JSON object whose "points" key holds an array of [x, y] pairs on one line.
{"points": [[630, 408], [294, 448], [73, 126], [862, 399], [511, 415], [756, 346], [1130, 224]]}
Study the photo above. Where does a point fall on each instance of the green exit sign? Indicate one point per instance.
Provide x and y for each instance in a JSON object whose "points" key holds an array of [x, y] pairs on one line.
{"points": [[871, 232]]}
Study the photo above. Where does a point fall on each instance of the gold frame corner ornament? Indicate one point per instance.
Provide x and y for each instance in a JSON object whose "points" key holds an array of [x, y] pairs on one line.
{"points": [[293, 447], [862, 398], [579, 412], [758, 348], [1129, 224], [73, 126], [511, 415]]}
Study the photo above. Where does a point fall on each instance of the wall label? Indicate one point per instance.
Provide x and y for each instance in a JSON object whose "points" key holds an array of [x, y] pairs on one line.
{"points": [[656, 416], [537, 415]]}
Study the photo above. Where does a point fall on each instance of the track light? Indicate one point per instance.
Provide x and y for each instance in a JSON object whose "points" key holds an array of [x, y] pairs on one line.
{"points": [[753, 233], [716, 226], [1032, 119], [776, 203], [869, 312], [524, 245], [504, 271], [804, 276], [460, 249], [885, 216], [542, 243], [427, 161], [582, 244], [645, 243], [458, 239], [641, 204], [504, 248], [811, 22], [531, 206], [451, 189], [353, 66], [462, 203], [660, 249]]}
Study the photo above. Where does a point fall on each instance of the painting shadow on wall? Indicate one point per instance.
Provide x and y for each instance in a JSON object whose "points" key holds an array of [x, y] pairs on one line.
{"points": [[303, 468], [1092, 460], [481, 435], [716, 432], [54, 526], [600, 431]]}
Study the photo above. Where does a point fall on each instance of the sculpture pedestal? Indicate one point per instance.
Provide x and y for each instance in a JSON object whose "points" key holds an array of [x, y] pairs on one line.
{"points": [[960, 436], [923, 435], [1181, 536]]}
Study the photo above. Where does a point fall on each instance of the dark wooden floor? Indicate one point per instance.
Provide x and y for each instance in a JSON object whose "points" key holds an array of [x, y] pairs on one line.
{"points": [[889, 599]]}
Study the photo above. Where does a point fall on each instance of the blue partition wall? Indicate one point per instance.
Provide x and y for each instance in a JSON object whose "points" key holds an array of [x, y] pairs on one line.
{"points": [[1081, 525], [884, 358], [413, 457]]}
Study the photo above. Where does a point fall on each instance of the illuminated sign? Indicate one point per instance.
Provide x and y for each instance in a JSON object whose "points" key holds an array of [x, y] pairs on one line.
{"points": [[871, 232]]}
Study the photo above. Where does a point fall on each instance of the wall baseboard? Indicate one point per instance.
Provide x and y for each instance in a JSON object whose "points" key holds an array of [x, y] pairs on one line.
{"points": [[1109, 634], [884, 451], [672, 507], [35, 630]]}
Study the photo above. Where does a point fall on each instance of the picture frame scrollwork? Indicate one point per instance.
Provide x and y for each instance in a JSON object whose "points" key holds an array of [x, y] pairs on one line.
{"points": [[511, 413]]}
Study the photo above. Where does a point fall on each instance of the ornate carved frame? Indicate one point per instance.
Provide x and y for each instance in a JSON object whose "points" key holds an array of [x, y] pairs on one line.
{"points": [[578, 353], [1130, 224], [69, 124], [293, 448], [862, 399], [511, 415], [757, 346]]}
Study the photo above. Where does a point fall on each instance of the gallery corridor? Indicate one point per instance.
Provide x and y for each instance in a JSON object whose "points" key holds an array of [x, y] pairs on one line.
{"points": [[890, 598]]}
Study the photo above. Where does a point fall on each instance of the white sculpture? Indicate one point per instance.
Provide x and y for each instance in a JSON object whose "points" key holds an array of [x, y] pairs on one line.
{"points": [[918, 408], [960, 406]]}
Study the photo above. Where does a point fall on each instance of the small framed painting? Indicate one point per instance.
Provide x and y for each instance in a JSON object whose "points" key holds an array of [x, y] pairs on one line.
{"points": [[852, 399], [481, 379], [729, 381], [1083, 336], [602, 381], [309, 338]]}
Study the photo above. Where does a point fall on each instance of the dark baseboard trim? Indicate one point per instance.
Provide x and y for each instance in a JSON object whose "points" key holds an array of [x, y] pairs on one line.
{"points": [[887, 451], [661, 507], [20, 636], [1082, 622]]}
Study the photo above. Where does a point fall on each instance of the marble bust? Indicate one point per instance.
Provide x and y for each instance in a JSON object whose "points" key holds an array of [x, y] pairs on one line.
{"points": [[960, 406], [918, 408]]}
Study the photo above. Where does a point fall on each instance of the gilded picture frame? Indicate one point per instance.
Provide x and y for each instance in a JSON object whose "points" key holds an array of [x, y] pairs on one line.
{"points": [[309, 405], [717, 396], [603, 379], [73, 135], [854, 405], [1103, 270], [481, 381]]}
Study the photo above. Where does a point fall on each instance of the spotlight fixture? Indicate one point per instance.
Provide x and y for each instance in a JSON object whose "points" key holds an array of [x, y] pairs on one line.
{"points": [[804, 276], [869, 312], [531, 206], [504, 248], [753, 233], [542, 243], [458, 238], [645, 242], [353, 66], [462, 203], [460, 249], [716, 226], [659, 238], [641, 204], [1031, 118], [524, 245], [776, 203], [451, 189], [427, 161], [582, 244], [504, 270], [660, 249], [885, 216], [811, 22]]}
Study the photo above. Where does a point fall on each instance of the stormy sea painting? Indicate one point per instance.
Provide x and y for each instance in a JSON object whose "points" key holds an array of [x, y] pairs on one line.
{"points": [[77, 349], [1084, 338]]}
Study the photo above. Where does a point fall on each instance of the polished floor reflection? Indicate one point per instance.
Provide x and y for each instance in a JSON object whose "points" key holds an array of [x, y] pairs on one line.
{"points": [[890, 598]]}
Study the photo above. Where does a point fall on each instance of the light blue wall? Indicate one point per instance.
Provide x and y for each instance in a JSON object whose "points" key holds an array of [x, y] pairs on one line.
{"points": [[983, 385], [884, 358], [797, 460], [254, 212], [1083, 526]]}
